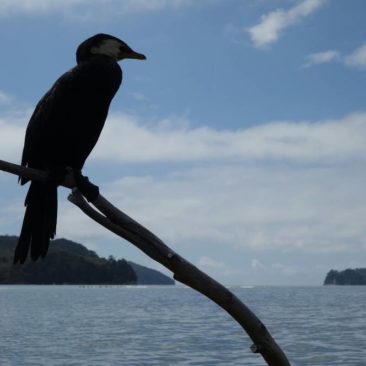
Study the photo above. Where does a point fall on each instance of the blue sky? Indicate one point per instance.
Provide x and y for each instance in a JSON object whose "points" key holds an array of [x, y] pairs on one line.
{"points": [[240, 141]]}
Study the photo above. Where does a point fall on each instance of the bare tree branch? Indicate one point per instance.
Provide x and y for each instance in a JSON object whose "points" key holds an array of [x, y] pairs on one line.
{"points": [[119, 223], [33, 174]]}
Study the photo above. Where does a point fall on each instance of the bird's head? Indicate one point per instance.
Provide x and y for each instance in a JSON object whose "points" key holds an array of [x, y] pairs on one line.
{"points": [[106, 45]]}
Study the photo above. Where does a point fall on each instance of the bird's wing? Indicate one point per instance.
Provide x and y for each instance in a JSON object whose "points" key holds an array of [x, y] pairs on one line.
{"points": [[67, 121], [49, 109], [33, 133]]}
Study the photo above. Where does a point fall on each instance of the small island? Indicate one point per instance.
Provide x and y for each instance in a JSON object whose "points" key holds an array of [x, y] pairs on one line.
{"points": [[347, 277], [72, 263]]}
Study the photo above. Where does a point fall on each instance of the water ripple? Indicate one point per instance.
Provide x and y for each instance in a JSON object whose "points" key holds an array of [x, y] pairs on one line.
{"points": [[101, 326]]}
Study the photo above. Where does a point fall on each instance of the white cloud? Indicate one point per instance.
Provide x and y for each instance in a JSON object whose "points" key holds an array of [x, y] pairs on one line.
{"points": [[283, 185], [140, 97], [217, 268], [268, 30], [262, 206], [13, 120], [125, 139], [357, 59], [240, 207], [87, 8], [8, 7], [321, 57], [255, 263], [5, 98], [289, 270], [11, 140], [208, 263]]}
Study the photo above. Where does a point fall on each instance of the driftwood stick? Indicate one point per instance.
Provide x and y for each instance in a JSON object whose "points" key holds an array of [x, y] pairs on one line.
{"points": [[185, 272], [34, 174], [121, 224], [29, 173]]}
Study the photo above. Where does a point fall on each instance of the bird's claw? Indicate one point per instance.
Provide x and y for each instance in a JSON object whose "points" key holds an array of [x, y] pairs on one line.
{"points": [[89, 190]]}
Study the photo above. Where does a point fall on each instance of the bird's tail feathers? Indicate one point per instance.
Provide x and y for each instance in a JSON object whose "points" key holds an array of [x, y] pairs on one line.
{"points": [[39, 224]]}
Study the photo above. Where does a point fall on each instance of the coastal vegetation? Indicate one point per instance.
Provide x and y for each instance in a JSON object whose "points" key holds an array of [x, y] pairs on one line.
{"points": [[347, 277], [71, 263]]}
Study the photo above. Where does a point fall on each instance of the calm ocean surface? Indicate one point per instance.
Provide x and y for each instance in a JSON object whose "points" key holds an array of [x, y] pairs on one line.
{"points": [[71, 325]]}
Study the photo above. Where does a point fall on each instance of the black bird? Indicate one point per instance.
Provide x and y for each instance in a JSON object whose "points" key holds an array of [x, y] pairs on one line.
{"points": [[63, 130]]}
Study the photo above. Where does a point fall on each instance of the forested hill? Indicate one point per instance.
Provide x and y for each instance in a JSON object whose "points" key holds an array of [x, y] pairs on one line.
{"points": [[347, 277], [72, 263]]}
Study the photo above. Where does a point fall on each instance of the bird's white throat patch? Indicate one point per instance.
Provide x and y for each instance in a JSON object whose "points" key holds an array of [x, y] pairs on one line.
{"points": [[109, 47]]}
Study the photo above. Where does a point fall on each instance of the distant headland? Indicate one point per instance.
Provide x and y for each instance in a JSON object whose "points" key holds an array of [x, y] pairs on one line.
{"points": [[347, 277], [72, 263]]}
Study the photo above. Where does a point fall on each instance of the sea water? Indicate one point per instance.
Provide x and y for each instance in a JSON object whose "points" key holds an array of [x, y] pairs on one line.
{"points": [[96, 325]]}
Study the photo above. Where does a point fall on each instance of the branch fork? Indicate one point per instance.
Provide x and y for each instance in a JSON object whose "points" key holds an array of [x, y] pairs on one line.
{"points": [[185, 272]]}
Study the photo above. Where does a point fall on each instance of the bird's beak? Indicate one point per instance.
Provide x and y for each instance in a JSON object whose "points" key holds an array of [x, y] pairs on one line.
{"points": [[134, 55]]}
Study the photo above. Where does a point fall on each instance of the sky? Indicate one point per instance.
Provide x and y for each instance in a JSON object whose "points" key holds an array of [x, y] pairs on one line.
{"points": [[240, 141]]}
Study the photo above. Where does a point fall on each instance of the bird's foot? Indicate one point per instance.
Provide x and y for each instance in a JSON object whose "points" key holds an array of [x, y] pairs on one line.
{"points": [[56, 174], [89, 190]]}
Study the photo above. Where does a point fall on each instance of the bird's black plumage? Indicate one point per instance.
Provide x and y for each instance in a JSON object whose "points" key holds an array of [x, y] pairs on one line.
{"points": [[63, 130]]}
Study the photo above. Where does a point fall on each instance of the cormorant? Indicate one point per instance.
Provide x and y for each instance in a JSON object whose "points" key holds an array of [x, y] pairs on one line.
{"points": [[63, 130]]}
